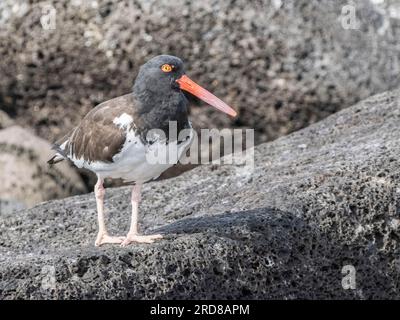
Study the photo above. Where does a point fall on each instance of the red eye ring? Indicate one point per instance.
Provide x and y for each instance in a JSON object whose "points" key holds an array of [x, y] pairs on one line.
{"points": [[166, 67]]}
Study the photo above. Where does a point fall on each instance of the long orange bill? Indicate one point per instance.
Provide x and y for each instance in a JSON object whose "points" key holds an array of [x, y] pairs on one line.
{"points": [[185, 83]]}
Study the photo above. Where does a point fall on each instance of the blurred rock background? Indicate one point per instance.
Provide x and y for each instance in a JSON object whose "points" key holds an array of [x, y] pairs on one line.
{"points": [[281, 64]]}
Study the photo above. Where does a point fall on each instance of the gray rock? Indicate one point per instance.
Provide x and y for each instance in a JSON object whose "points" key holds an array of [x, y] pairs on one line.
{"points": [[317, 200], [25, 176], [8, 206], [282, 64], [5, 120]]}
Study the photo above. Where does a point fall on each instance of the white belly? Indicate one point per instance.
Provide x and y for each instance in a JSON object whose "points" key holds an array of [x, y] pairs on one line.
{"points": [[139, 162]]}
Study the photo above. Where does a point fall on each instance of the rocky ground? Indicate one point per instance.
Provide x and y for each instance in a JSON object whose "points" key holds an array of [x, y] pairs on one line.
{"points": [[317, 200]]}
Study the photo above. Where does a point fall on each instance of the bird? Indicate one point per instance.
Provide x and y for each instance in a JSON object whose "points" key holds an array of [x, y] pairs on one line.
{"points": [[113, 140]]}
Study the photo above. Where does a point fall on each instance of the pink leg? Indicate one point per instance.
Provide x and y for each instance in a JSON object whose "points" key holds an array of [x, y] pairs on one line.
{"points": [[133, 234], [102, 236]]}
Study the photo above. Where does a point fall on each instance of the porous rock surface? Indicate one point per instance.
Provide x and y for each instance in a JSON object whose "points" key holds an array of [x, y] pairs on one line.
{"points": [[24, 174], [317, 200], [281, 64]]}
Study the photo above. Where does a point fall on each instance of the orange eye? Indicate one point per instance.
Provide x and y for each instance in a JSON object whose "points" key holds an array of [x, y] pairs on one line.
{"points": [[166, 68]]}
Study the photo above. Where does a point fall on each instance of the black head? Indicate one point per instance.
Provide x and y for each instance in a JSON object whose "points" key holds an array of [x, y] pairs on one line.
{"points": [[159, 74], [164, 76]]}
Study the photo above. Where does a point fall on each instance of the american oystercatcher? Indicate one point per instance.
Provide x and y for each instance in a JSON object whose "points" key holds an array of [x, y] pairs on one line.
{"points": [[113, 139]]}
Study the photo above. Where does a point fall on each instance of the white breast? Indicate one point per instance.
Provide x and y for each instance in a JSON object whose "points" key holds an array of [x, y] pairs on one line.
{"points": [[136, 161]]}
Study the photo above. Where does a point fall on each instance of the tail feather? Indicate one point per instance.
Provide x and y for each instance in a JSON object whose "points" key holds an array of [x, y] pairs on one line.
{"points": [[55, 159], [59, 156]]}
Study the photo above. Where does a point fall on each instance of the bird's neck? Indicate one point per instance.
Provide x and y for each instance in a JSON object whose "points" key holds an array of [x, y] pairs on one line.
{"points": [[156, 110]]}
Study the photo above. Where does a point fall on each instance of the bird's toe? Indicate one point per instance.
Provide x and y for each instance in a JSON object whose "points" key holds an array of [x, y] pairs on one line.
{"points": [[140, 239], [105, 238]]}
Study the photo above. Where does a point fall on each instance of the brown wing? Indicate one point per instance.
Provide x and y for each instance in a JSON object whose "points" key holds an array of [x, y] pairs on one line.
{"points": [[97, 138]]}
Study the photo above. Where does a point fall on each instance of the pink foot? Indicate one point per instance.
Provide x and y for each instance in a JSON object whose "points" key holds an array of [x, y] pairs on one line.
{"points": [[105, 238], [140, 239]]}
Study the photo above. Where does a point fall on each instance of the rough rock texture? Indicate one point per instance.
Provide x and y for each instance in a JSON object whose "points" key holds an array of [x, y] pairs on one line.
{"points": [[281, 64], [24, 174], [317, 200]]}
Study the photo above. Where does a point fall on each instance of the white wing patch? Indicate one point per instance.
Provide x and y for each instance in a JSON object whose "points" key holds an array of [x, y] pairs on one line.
{"points": [[64, 144], [123, 121]]}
